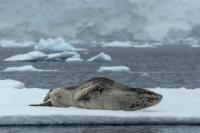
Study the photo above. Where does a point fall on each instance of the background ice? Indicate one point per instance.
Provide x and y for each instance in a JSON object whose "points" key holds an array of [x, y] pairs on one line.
{"points": [[105, 20], [101, 57], [113, 69], [24, 68]]}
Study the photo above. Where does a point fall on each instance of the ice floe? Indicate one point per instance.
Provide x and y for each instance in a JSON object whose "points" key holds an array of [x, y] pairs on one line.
{"points": [[60, 56], [58, 44], [171, 110], [24, 68], [30, 56], [9, 83], [113, 69], [101, 57], [75, 57], [16, 44], [117, 44], [40, 56]]}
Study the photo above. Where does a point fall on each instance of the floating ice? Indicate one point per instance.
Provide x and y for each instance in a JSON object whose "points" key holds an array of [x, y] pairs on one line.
{"points": [[114, 69], [101, 57], [9, 83], [58, 44], [24, 68], [117, 44], [31, 56], [75, 57], [145, 45], [172, 110], [60, 56], [12, 43]]}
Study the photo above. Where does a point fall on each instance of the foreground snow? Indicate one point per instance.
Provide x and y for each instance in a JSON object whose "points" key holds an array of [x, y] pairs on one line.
{"points": [[183, 109], [24, 68], [101, 57], [114, 69]]}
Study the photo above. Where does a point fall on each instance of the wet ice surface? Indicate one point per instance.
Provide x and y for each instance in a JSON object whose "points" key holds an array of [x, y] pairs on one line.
{"points": [[102, 129], [165, 67]]}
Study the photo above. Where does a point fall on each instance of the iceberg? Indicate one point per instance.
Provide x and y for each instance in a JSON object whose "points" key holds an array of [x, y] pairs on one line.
{"points": [[117, 44], [171, 110], [24, 68], [58, 44], [113, 69], [31, 56], [100, 57], [16, 44]]}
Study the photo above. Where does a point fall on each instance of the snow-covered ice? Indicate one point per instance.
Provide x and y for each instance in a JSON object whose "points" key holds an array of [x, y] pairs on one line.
{"points": [[57, 44], [101, 57], [14, 109], [16, 44], [113, 69], [24, 68], [31, 56], [117, 44]]}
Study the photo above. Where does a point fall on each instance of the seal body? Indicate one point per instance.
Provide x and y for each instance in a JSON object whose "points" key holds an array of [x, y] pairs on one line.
{"points": [[102, 93]]}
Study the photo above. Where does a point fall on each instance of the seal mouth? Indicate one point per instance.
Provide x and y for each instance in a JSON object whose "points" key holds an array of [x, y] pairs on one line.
{"points": [[154, 98]]}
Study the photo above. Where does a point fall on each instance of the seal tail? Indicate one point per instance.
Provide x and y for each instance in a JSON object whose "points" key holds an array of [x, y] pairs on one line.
{"points": [[47, 103]]}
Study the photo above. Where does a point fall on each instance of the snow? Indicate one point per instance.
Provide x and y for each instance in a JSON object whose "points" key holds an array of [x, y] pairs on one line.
{"points": [[117, 44], [113, 69], [16, 44], [101, 57], [57, 44], [24, 68], [183, 109], [31, 56]]}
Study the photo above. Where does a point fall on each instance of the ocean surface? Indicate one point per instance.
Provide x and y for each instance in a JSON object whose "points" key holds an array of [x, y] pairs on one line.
{"points": [[164, 67]]}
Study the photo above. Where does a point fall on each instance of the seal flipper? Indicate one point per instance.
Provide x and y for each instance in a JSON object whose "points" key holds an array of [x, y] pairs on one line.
{"points": [[47, 103]]}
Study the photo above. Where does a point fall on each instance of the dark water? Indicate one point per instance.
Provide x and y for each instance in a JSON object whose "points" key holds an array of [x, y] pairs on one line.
{"points": [[166, 67], [102, 129]]}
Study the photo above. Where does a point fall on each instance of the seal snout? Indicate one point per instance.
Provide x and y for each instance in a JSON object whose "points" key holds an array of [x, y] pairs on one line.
{"points": [[154, 98]]}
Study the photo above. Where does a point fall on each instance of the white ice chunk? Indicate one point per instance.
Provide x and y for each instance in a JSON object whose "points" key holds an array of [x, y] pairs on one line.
{"points": [[8, 83], [114, 69], [60, 56], [117, 44], [14, 109], [58, 44], [75, 57], [12, 43], [101, 57], [145, 45], [24, 68], [31, 56]]}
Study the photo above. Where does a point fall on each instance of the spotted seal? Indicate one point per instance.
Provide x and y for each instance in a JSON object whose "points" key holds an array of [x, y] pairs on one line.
{"points": [[101, 93]]}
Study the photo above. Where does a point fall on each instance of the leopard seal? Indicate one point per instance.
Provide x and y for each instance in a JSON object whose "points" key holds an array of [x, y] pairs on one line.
{"points": [[101, 93]]}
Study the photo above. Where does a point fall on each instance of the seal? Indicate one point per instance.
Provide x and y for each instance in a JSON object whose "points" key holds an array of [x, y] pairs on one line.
{"points": [[101, 93]]}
